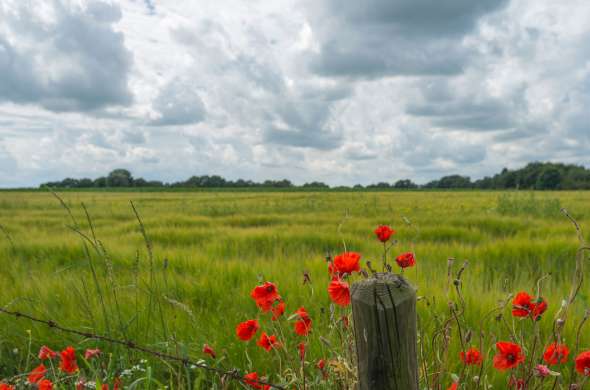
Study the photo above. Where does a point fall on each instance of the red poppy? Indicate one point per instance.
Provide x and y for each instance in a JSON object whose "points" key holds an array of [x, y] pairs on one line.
{"points": [[339, 292], [522, 305], [252, 380], [471, 357], [509, 356], [91, 353], [303, 325], [265, 296], [301, 348], [453, 386], [583, 363], [539, 307], [556, 354], [45, 384], [278, 310], [406, 260], [268, 342], [104, 386], [117, 385], [247, 329], [46, 353], [80, 385], [347, 263], [37, 373], [384, 232], [4, 386], [68, 363], [208, 350]]}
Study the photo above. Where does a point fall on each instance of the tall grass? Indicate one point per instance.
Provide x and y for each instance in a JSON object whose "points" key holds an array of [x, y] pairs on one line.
{"points": [[174, 270]]}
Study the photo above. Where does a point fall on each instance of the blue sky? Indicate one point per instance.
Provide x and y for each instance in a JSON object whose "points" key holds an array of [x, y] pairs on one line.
{"points": [[333, 90]]}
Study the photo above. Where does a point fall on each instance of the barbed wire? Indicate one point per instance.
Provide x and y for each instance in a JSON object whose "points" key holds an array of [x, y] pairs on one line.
{"points": [[231, 374]]}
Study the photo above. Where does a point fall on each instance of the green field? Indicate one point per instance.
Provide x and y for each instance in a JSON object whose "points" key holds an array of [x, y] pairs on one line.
{"points": [[211, 248]]}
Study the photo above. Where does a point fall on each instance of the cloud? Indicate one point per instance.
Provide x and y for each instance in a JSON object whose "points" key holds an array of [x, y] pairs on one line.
{"points": [[178, 103], [63, 57], [377, 38], [340, 91]]}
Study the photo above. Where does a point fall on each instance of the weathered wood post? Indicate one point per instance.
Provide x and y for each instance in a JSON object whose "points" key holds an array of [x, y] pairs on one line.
{"points": [[384, 315]]}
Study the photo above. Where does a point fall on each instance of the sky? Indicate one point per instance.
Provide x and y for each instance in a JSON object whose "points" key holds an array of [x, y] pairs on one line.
{"points": [[339, 91]]}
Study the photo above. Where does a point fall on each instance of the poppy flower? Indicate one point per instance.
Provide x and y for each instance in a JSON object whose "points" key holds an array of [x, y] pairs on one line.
{"points": [[68, 363], [542, 371], [268, 342], [303, 325], [37, 373], [247, 329], [471, 357], [583, 363], [278, 310], [453, 386], [117, 385], [45, 384], [104, 386], [4, 386], [339, 292], [522, 305], [301, 348], [252, 380], [347, 263], [406, 260], [91, 353], [509, 356], [46, 353], [556, 354], [265, 296], [539, 307], [384, 232], [208, 350]]}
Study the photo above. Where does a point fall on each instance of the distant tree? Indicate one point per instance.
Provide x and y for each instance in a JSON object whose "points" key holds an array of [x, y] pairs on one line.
{"points": [[454, 181], [315, 184], [119, 178], [100, 182], [550, 179], [85, 183], [406, 183]]}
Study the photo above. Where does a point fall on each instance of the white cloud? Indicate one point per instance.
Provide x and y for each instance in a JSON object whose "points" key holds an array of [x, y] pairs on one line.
{"points": [[320, 90]]}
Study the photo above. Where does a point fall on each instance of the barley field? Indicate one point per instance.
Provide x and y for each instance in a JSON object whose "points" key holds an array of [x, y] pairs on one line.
{"points": [[187, 280]]}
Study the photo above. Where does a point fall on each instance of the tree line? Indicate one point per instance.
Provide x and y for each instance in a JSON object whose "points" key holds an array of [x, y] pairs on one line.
{"points": [[536, 175]]}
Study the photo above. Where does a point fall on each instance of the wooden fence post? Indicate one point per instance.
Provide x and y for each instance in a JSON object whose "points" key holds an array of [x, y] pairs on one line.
{"points": [[384, 315]]}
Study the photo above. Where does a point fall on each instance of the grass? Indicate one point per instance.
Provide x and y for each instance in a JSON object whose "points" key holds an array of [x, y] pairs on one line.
{"points": [[208, 249]]}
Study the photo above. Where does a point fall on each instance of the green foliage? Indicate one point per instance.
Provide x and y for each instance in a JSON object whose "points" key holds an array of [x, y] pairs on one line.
{"points": [[538, 176]]}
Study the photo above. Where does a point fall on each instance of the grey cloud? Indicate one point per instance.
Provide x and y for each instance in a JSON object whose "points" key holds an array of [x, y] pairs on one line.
{"points": [[178, 103], [451, 104], [303, 118], [425, 149], [376, 38], [77, 62], [252, 91], [132, 137]]}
